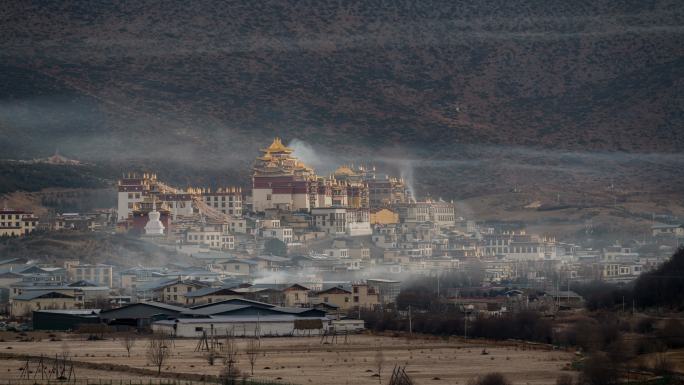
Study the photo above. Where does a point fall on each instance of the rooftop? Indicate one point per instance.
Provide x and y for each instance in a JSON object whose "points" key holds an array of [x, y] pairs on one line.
{"points": [[31, 295], [238, 318]]}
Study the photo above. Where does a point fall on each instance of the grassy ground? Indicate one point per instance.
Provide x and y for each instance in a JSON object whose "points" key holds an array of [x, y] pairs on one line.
{"points": [[304, 360]]}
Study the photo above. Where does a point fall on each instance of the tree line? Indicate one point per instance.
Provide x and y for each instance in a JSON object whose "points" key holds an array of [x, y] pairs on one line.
{"points": [[525, 325], [661, 288]]}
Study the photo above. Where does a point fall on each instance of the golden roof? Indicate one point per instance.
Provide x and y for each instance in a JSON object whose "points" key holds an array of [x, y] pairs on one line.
{"points": [[344, 170], [302, 166], [277, 146]]}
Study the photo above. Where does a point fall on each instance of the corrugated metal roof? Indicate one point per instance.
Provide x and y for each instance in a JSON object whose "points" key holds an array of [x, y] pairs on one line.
{"points": [[273, 258], [211, 290], [239, 319], [71, 311], [158, 305], [31, 295], [61, 287], [235, 301], [216, 309]]}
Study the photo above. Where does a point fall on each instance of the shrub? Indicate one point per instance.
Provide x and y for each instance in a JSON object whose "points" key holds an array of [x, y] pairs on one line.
{"points": [[619, 351], [672, 334], [645, 325], [564, 379], [648, 345], [598, 370], [494, 378]]}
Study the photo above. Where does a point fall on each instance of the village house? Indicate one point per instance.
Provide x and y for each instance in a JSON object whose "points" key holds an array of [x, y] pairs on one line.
{"points": [[342, 221], [387, 289], [17, 223], [283, 234], [241, 267], [24, 304], [212, 237], [172, 291], [665, 230], [296, 296], [337, 296], [210, 295], [100, 274], [361, 296]]}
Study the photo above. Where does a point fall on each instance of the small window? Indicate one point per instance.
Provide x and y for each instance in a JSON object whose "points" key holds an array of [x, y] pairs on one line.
{"points": [[198, 329]]}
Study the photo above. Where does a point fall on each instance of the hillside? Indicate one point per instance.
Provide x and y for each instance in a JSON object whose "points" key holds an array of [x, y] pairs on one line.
{"points": [[118, 250], [464, 98], [594, 75], [16, 176]]}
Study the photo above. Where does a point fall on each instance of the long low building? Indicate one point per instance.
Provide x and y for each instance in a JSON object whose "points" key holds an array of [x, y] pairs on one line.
{"points": [[270, 325], [140, 315], [244, 318], [237, 316], [64, 319]]}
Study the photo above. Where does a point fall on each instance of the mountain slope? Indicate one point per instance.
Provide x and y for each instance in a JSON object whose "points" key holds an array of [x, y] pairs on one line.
{"points": [[586, 75], [468, 98]]}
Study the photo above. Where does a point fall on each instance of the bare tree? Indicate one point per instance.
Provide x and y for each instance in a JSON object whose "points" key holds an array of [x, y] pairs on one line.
{"points": [[230, 372], [252, 352], [379, 363], [158, 350], [211, 357], [128, 341]]}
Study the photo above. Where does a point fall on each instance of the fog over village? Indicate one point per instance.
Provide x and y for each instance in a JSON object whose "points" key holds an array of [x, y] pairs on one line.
{"points": [[368, 192]]}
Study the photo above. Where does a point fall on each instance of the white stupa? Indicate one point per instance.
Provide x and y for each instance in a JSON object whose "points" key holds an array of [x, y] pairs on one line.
{"points": [[154, 227]]}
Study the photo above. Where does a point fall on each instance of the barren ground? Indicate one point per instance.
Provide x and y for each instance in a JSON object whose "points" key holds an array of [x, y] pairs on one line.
{"points": [[302, 360]]}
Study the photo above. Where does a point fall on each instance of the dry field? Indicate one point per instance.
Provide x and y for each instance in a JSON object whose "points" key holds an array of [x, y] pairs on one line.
{"points": [[302, 360]]}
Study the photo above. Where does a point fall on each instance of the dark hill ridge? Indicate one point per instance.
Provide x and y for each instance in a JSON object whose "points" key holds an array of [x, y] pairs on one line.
{"points": [[595, 75], [547, 96]]}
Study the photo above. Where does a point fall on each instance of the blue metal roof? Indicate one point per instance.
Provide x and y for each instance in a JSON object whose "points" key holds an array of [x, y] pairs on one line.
{"points": [[35, 294]]}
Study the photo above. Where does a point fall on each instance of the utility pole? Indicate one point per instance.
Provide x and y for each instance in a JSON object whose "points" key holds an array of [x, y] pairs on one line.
{"points": [[465, 328], [410, 323], [558, 293]]}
